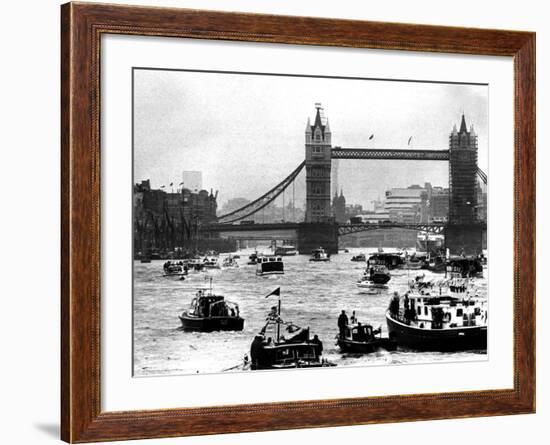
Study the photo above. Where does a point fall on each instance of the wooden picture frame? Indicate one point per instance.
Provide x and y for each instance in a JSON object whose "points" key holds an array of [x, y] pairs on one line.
{"points": [[82, 26]]}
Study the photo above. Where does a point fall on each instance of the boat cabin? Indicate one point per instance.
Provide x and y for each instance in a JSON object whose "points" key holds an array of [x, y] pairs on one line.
{"points": [[208, 305], [440, 312], [269, 265], [360, 332], [390, 260]]}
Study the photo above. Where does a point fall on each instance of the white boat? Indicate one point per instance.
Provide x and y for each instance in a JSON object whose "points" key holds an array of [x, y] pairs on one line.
{"points": [[174, 269], [230, 263], [285, 251], [211, 262], [269, 265], [319, 255]]}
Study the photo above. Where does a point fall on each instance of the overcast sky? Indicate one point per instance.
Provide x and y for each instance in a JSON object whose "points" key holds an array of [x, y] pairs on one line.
{"points": [[246, 132]]}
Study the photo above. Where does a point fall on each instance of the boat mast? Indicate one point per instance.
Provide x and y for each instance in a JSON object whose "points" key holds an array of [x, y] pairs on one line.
{"points": [[278, 318]]}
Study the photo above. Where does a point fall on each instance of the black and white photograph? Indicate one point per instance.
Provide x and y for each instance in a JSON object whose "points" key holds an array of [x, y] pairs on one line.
{"points": [[285, 221]]}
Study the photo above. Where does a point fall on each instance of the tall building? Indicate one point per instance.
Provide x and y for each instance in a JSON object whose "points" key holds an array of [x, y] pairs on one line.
{"points": [[407, 205], [462, 174], [335, 179], [339, 207], [439, 204], [192, 180], [318, 166]]}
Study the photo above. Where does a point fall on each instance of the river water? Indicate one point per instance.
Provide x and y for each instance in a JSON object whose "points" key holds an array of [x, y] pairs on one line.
{"points": [[312, 294]]}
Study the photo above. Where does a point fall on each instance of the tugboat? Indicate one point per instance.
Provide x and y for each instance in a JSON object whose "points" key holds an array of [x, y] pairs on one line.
{"points": [[363, 339], [433, 321], [269, 265], [174, 269], [284, 345], [208, 312], [319, 255]]}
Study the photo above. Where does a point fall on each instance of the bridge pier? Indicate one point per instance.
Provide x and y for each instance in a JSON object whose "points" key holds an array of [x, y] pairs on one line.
{"points": [[469, 239], [314, 235]]}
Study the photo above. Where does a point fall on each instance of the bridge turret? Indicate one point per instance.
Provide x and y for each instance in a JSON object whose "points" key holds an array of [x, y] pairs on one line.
{"points": [[318, 169], [462, 174]]}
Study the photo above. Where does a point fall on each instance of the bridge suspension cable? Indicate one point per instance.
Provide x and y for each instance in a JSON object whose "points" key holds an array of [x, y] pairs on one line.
{"points": [[262, 201], [482, 175]]}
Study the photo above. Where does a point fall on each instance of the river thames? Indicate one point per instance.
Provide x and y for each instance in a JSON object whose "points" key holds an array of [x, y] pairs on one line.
{"points": [[312, 294]]}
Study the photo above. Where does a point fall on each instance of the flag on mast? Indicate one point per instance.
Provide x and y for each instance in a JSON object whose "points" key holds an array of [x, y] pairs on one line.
{"points": [[275, 292], [371, 136], [410, 139]]}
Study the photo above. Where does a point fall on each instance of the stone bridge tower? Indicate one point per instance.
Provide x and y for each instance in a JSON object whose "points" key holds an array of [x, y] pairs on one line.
{"points": [[464, 233], [462, 175], [318, 166]]}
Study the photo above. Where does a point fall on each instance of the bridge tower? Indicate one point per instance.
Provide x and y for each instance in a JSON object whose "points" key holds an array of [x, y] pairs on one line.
{"points": [[319, 228], [318, 166], [464, 232], [462, 174]]}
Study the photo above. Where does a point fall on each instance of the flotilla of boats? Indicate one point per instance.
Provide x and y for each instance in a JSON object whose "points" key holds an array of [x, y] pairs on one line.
{"points": [[447, 314]]}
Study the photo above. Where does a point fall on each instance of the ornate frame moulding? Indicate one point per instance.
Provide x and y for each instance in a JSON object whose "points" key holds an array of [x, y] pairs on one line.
{"points": [[82, 25]]}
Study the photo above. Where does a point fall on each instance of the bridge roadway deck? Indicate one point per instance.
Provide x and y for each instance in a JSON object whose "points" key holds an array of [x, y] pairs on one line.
{"points": [[290, 230]]}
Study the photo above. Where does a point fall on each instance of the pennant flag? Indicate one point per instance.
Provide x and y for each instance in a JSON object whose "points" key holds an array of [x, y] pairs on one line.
{"points": [[162, 186], [181, 183], [410, 139], [275, 292], [371, 136]]}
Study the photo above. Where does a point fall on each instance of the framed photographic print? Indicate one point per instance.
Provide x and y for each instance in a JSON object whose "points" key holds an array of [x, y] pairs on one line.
{"points": [[275, 222]]}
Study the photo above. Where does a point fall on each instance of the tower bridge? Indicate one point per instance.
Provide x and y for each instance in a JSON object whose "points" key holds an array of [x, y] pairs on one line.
{"points": [[463, 233]]}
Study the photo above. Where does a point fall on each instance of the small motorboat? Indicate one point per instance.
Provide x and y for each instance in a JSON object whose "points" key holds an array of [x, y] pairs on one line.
{"points": [[230, 262], [270, 265], [284, 345], [174, 269], [363, 339], [359, 258], [319, 255], [377, 272], [211, 262], [209, 312]]}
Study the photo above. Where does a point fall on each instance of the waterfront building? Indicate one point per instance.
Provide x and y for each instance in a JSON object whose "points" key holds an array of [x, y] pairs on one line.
{"points": [[439, 204], [407, 205]]}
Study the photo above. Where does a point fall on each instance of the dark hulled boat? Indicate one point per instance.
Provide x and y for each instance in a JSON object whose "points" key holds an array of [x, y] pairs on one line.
{"points": [[436, 322], [284, 345], [363, 339], [465, 266], [270, 265], [208, 312]]}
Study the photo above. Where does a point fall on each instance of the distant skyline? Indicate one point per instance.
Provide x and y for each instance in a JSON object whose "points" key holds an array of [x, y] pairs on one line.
{"points": [[245, 132]]}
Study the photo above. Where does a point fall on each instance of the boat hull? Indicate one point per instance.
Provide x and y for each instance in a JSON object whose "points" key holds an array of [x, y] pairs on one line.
{"points": [[368, 347], [211, 324], [444, 340]]}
